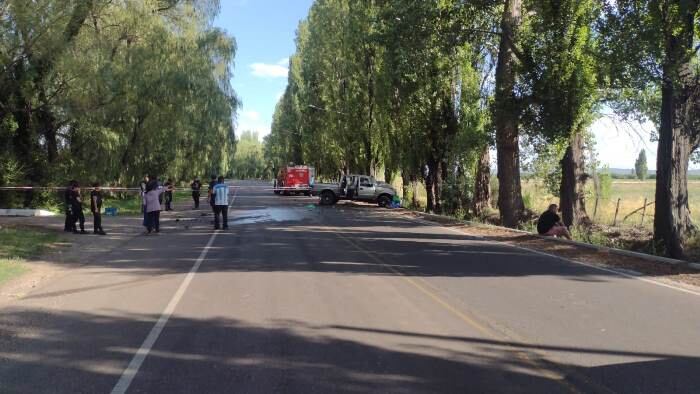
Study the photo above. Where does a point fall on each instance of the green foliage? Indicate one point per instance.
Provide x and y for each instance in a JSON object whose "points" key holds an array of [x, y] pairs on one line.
{"points": [[392, 86], [640, 166], [113, 90], [604, 184], [249, 162], [16, 245]]}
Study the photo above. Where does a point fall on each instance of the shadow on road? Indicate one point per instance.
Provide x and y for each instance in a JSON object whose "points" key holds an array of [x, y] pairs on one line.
{"points": [[216, 355]]}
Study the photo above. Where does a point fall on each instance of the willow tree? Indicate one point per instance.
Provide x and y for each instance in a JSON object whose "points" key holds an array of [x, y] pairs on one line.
{"points": [[112, 90], [650, 48]]}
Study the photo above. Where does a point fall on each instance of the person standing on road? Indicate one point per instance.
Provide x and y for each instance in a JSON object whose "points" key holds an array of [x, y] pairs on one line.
{"points": [[144, 186], [68, 200], [169, 195], [77, 210], [96, 209], [153, 208], [550, 224], [210, 192], [220, 193], [196, 186]]}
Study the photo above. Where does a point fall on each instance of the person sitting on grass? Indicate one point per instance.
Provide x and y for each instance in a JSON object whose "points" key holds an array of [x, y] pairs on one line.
{"points": [[549, 224]]}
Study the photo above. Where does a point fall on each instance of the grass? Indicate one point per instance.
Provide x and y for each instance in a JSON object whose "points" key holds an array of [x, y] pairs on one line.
{"points": [[17, 245], [131, 205], [631, 194]]}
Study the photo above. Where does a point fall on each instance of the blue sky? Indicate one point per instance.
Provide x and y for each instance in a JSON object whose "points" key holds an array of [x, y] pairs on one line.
{"points": [[265, 31]]}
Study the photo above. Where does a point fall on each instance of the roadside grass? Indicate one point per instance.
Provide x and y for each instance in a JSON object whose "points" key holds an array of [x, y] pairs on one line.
{"points": [[131, 205], [17, 245]]}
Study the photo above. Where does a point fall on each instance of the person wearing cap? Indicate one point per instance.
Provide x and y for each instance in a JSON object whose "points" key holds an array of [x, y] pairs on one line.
{"points": [[96, 209]]}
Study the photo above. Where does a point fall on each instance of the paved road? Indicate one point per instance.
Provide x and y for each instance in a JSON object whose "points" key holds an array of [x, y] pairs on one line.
{"points": [[297, 298]]}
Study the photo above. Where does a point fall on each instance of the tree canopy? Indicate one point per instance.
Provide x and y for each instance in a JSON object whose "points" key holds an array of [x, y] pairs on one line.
{"points": [[111, 90]]}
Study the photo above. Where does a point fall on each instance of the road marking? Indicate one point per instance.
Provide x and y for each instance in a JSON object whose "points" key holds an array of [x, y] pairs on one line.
{"points": [[140, 356], [564, 259], [551, 373]]}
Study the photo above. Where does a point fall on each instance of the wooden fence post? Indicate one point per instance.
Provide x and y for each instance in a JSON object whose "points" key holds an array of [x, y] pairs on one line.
{"points": [[595, 209], [644, 211], [617, 210]]}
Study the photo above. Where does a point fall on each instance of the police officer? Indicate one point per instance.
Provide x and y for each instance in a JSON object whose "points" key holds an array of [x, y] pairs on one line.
{"points": [[68, 200], [210, 192], [96, 209], [169, 195], [77, 210], [196, 186]]}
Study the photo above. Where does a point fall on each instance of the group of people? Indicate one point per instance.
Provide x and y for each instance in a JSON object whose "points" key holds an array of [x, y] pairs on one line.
{"points": [[153, 197], [74, 209]]}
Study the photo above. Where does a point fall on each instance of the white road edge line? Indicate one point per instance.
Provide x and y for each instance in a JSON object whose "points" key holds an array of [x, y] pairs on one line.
{"points": [[140, 356], [596, 267]]}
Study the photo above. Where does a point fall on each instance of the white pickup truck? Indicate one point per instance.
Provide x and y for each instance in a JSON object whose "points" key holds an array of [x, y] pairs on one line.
{"points": [[355, 187]]}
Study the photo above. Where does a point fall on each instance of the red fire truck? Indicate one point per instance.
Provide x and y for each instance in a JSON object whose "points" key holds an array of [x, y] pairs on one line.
{"points": [[294, 179]]}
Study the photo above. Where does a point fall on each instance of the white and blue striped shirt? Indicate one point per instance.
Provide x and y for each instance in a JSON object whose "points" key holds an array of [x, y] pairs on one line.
{"points": [[221, 194]]}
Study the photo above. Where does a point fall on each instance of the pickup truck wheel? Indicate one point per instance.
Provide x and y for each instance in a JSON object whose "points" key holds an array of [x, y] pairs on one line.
{"points": [[384, 201], [327, 198]]}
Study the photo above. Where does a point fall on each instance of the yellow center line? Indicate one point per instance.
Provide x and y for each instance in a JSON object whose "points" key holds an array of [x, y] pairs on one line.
{"points": [[549, 373]]}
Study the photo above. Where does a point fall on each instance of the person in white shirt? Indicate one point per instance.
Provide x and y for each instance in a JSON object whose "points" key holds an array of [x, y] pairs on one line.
{"points": [[220, 194]]}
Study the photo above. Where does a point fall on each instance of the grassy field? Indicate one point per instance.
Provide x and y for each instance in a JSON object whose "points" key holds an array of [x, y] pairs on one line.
{"points": [[16, 245], [630, 193]]}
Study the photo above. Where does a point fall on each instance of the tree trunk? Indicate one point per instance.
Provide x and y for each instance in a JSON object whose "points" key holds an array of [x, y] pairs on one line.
{"points": [[572, 191], [436, 173], [510, 199], [482, 183], [672, 220], [429, 189]]}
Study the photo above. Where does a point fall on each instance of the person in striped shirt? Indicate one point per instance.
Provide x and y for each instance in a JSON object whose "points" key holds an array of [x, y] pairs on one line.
{"points": [[220, 196]]}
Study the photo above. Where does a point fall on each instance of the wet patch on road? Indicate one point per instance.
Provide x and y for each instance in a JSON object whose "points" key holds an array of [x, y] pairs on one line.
{"points": [[272, 215]]}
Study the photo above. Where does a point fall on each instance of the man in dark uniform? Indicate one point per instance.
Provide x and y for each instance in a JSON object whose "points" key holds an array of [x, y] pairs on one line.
{"points": [[77, 210], [210, 192], [169, 195], [96, 209], [196, 185], [67, 198]]}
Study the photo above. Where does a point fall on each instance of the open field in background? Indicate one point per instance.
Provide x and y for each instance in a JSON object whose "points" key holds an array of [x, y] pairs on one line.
{"points": [[631, 194], [16, 245]]}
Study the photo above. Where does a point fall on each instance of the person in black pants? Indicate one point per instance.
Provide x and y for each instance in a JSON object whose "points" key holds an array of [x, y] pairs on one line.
{"points": [[169, 195], [196, 186], [68, 200], [96, 209], [210, 192], [77, 210]]}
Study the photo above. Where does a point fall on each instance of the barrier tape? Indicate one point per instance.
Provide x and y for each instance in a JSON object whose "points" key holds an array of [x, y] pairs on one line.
{"points": [[136, 189]]}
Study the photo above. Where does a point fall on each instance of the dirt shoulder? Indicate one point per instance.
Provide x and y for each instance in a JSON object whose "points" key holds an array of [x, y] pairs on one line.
{"points": [[677, 274], [73, 251]]}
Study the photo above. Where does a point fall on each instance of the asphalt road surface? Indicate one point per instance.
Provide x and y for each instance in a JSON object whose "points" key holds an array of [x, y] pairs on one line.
{"points": [[297, 298]]}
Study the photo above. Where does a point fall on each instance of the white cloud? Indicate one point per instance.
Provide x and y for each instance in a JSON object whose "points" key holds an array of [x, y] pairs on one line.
{"points": [[252, 121], [265, 70], [250, 116]]}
